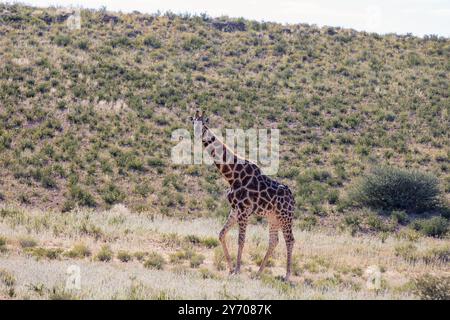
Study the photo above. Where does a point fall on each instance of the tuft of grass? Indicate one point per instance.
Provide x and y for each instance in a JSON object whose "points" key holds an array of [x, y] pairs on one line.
{"points": [[105, 254], [210, 242], [27, 242], [40, 252], [7, 278], [2, 241], [207, 274], [196, 260], [407, 251], [155, 261], [140, 255], [79, 250], [124, 256]]}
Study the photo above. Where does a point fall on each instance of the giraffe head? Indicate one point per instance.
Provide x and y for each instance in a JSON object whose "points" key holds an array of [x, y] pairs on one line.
{"points": [[199, 119]]}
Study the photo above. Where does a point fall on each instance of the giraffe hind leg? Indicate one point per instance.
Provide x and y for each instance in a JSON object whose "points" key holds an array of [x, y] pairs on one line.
{"points": [[241, 241], [289, 239], [273, 241], [231, 221]]}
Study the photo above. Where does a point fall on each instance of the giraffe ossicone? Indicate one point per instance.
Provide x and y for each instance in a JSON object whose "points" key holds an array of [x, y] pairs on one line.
{"points": [[251, 192]]}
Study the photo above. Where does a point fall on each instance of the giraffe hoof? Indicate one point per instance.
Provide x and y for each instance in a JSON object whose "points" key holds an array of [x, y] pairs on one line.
{"points": [[234, 272], [256, 275]]}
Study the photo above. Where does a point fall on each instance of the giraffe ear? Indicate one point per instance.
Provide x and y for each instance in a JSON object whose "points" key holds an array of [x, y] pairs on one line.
{"points": [[191, 119], [206, 120]]}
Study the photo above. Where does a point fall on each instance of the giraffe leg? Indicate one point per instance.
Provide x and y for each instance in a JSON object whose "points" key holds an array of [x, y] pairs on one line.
{"points": [[241, 242], [273, 241], [289, 239], [232, 219]]}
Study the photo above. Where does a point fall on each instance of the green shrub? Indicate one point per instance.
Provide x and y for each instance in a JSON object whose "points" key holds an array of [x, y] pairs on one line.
{"points": [[79, 250], [105, 254], [192, 239], [399, 216], [434, 227], [353, 222], [307, 223], [398, 189], [408, 252], [112, 194], [152, 41], [196, 260], [429, 287], [124, 256], [82, 197], [155, 261], [210, 242], [62, 40], [140, 255], [2, 241], [39, 252]]}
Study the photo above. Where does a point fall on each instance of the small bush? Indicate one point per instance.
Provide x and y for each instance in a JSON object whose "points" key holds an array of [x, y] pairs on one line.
{"points": [[353, 222], [27, 242], [177, 257], [83, 197], [307, 223], [207, 274], [62, 40], [79, 250], [210, 242], [155, 261], [397, 189], [407, 252], [437, 255], [40, 253], [2, 241], [433, 227], [196, 260], [124, 256], [429, 287], [140, 255], [7, 278], [152, 41], [399, 216], [112, 194], [192, 239], [105, 254]]}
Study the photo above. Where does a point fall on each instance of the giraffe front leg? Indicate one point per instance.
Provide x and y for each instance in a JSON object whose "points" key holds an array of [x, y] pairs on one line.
{"points": [[232, 219], [241, 242]]}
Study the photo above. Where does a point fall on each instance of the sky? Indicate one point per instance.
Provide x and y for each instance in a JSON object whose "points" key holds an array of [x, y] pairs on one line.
{"points": [[419, 17]]}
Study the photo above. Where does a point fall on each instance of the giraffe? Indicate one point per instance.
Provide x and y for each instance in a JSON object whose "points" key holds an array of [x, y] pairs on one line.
{"points": [[251, 192]]}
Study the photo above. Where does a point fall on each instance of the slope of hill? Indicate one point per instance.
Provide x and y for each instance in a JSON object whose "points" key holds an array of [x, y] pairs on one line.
{"points": [[87, 114], [86, 117]]}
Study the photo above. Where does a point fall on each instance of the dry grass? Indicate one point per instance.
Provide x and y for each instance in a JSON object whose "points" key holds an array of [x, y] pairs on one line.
{"points": [[328, 264]]}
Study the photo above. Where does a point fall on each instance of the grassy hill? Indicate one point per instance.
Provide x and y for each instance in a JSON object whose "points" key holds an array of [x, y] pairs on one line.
{"points": [[86, 115]]}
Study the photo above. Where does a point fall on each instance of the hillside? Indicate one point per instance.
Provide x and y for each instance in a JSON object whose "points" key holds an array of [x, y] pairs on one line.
{"points": [[87, 181], [86, 115]]}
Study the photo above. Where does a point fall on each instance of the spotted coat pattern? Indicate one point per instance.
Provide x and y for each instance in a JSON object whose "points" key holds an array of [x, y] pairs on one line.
{"points": [[251, 192]]}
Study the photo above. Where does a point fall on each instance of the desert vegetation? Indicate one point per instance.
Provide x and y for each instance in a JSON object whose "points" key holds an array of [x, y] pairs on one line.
{"points": [[86, 117], [150, 256]]}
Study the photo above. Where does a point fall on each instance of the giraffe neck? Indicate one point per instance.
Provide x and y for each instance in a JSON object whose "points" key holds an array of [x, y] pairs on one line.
{"points": [[224, 159]]}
